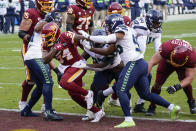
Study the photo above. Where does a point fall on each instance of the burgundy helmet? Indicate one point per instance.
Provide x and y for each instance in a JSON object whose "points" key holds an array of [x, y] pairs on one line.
{"points": [[84, 3], [179, 56], [115, 8], [44, 6], [127, 21], [50, 33]]}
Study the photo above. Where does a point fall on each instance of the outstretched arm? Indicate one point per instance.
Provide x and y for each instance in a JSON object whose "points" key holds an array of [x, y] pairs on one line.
{"points": [[104, 51]]}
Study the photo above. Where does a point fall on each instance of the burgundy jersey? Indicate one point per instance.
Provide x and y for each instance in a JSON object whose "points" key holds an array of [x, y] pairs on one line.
{"points": [[34, 16], [82, 17], [168, 46]]}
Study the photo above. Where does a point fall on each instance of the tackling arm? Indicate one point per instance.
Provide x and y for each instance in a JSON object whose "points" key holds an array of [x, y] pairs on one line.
{"points": [[104, 51], [189, 76], [48, 56], [24, 28]]}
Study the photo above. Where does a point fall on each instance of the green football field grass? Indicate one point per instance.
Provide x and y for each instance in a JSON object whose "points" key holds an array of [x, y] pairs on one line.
{"points": [[12, 74]]}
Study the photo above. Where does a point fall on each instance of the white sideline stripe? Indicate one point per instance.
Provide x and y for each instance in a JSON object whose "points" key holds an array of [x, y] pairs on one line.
{"points": [[16, 50], [61, 99], [109, 116]]}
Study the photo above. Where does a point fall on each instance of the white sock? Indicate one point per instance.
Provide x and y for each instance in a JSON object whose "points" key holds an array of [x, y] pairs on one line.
{"points": [[140, 101], [128, 118], [108, 91], [170, 107]]}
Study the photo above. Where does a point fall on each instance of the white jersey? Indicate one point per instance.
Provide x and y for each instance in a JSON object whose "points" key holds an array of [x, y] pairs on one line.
{"points": [[127, 47], [16, 5], [144, 35], [34, 47], [114, 60], [3, 6]]}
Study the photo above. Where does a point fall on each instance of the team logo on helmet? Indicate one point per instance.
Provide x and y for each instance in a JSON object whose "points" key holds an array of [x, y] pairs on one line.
{"points": [[115, 8], [45, 6], [179, 56], [50, 33]]}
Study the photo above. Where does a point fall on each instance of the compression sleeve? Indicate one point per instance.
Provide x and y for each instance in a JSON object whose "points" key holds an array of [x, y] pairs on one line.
{"points": [[104, 39]]}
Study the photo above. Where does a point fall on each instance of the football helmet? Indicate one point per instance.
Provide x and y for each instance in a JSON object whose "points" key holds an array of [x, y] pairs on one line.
{"points": [[45, 6], [50, 34], [98, 32], [127, 21], [179, 56], [84, 3], [112, 21], [115, 8], [154, 20]]}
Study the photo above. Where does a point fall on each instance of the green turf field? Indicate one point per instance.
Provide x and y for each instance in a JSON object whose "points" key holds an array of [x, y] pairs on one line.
{"points": [[12, 75]]}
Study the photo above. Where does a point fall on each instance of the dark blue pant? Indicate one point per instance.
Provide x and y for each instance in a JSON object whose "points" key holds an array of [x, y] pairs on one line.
{"points": [[135, 74], [135, 12], [40, 74], [101, 80], [1, 22], [9, 20]]}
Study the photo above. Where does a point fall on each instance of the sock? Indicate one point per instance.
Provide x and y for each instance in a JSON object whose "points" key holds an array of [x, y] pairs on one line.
{"points": [[114, 96], [26, 89], [140, 101], [170, 107], [47, 93], [108, 91], [128, 118]]}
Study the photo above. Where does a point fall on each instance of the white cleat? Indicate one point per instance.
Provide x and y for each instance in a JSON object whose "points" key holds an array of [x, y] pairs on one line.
{"points": [[89, 99], [89, 116], [98, 116], [113, 102], [21, 105]]}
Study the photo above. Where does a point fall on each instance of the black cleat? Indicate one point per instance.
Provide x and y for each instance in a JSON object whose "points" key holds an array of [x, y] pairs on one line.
{"points": [[151, 111], [139, 108], [26, 112], [192, 106], [51, 116], [100, 99]]}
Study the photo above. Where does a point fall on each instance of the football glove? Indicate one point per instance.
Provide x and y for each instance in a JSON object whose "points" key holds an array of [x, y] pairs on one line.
{"points": [[86, 44], [51, 16], [58, 47], [84, 34], [174, 88]]}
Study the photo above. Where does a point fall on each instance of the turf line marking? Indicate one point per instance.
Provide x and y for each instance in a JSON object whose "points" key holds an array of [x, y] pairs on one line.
{"points": [[61, 99], [1, 87], [109, 116]]}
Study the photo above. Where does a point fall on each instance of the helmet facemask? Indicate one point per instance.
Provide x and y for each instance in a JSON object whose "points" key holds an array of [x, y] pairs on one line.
{"points": [[46, 6]]}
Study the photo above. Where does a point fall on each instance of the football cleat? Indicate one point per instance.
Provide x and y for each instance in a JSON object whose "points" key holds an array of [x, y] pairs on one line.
{"points": [[98, 116], [151, 111], [139, 108], [125, 124], [43, 108], [113, 102], [21, 105], [100, 99], [174, 112], [192, 106], [89, 115], [51, 116], [26, 112], [89, 99]]}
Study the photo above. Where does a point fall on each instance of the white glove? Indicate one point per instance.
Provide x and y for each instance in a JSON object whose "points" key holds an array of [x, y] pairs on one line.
{"points": [[83, 33], [86, 44]]}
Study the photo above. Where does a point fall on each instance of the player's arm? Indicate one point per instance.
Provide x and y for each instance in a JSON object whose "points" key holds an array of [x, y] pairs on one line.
{"points": [[91, 26], [85, 55], [39, 26], [189, 76], [70, 22], [157, 42], [24, 28], [104, 51], [156, 58], [96, 67]]}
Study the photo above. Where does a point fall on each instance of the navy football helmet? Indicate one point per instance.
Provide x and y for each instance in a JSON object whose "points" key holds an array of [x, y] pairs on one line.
{"points": [[96, 33], [154, 20], [112, 21]]}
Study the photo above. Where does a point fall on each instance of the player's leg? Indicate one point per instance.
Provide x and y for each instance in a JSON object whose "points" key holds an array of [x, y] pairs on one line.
{"points": [[163, 71], [188, 90], [27, 84]]}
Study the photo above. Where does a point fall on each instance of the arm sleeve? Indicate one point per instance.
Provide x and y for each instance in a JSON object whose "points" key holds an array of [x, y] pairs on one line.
{"points": [[104, 39]]}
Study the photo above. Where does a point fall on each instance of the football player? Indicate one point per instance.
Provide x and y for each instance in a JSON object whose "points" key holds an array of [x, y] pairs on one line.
{"points": [[135, 70], [30, 18], [179, 56], [65, 50], [40, 73], [146, 30], [80, 16]]}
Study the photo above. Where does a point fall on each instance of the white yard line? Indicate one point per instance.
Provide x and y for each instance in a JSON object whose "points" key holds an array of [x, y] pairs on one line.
{"points": [[109, 116]]}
